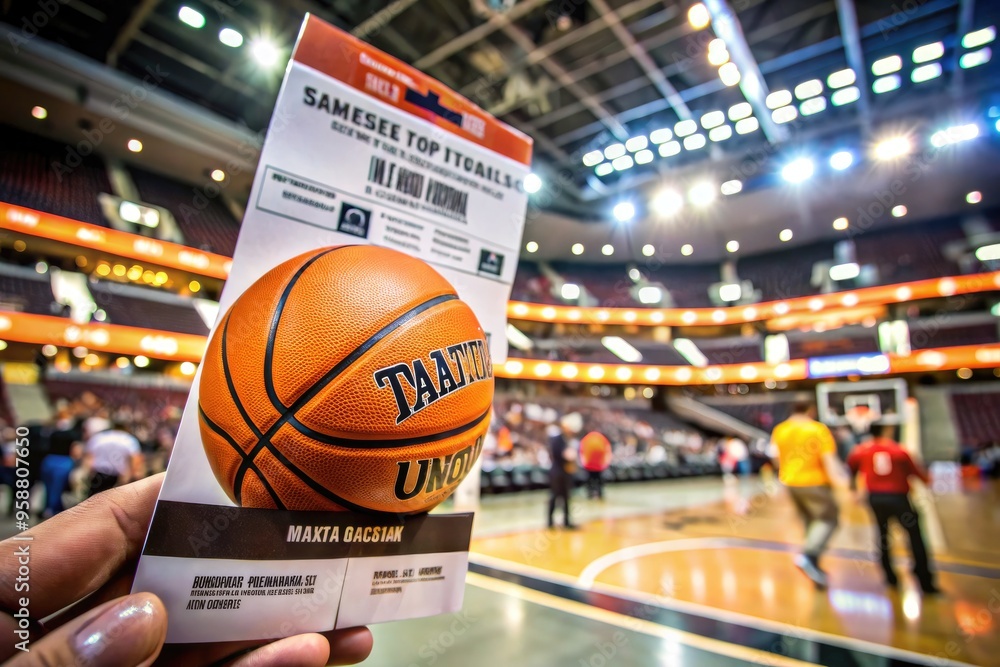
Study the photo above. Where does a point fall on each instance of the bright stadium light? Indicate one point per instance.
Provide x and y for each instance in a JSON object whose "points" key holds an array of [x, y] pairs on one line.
{"points": [[713, 119], [840, 224], [887, 65], [975, 58], [661, 135], [636, 144], [622, 163], [798, 170], [844, 77], [687, 349], [650, 294], [648, 250], [40, 113], [841, 160], [732, 246], [593, 158], [694, 142], [669, 149], [718, 57], [687, 249], [129, 212], [231, 38], [785, 235], [784, 114], [518, 339], [192, 17], [896, 147], [701, 194], [603, 169], [808, 89], [667, 203], [813, 106], [926, 72], [979, 37], [265, 52], [698, 16], [847, 271], [720, 133], [623, 212], [577, 249], [570, 291], [532, 183], [730, 292], [644, 156], [531, 246], [747, 125], [898, 211], [685, 127], [740, 111], [954, 134], [622, 349], [974, 197], [731, 187], [778, 98], [607, 250], [730, 74], [988, 253], [928, 52], [134, 145], [886, 84], [614, 151], [845, 96]]}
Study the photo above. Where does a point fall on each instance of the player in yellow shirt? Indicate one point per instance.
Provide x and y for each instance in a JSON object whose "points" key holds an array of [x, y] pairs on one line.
{"points": [[808, 466]]}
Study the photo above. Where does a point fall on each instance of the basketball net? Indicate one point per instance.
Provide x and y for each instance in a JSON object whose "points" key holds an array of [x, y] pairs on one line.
{"points": [[860, 418]]}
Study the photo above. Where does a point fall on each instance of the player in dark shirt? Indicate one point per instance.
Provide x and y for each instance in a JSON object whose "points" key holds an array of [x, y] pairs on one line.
{"points": [[886, 468]]}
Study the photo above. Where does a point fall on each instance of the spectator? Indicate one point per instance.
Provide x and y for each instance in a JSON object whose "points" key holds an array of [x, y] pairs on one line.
{"points": [[563, 467], [113, 457], [59, 462]]}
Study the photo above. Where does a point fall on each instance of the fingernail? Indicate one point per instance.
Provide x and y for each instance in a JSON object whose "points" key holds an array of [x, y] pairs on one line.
{"points": [[124, 634]]}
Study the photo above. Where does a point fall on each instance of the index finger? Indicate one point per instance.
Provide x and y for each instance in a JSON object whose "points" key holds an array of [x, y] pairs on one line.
{"points": [[74, 553]]}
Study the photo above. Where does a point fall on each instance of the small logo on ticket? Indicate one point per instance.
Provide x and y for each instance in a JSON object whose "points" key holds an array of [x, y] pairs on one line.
{"points": [[490, 262], [354, 220]]}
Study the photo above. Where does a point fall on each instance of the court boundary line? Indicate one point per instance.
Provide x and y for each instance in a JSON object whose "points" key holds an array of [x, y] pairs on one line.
{"points": [[713, 613], [632, 624]]}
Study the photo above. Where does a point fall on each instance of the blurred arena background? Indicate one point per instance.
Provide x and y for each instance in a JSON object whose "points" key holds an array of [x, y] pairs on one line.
{"points": [[736, 206]]}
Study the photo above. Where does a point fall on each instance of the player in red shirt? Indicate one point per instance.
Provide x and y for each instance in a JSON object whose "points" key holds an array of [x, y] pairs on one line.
{"points": [[886, 468]]}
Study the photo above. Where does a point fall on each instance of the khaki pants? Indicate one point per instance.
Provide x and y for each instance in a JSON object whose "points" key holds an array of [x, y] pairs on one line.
{"points": [[819, 512]]}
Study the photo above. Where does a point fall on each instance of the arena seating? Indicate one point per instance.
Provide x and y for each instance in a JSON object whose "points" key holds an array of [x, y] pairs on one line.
{"points": [[977, 417], [688, 285], [801, 348], [730, 350], [210, 227], [135, 312], [609, 284], [530, 285], [27, 295], [916, 251], [762, 415], [938, 334], [36, 173], [786, 273]]}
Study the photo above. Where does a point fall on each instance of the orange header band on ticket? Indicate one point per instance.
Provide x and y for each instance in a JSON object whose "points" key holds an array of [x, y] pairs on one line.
{"points": [[359, 65]]}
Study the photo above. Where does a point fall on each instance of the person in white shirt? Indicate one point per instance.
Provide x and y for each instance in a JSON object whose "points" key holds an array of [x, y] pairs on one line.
{"points": [[113, 457]]}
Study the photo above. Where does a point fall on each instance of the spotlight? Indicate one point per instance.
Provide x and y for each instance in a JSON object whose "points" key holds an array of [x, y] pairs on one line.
{"points": [[41, 113], [841, 160], [885, 84], [141, 361], [593, 158], [577, 249], [778, 98], [685, 127], [607, 250], [661, 135], [531, 246], [845, 96], [623, 212], [974, 197], [740, 111], [840, 224], [603, 169], [732, 246], [188, 368], [622, 163], [667, 203], [614, 151], [747, 125], [720, 133], [698, 16], [813, 106], [134, 145], [954, 134], [785, 235], [532, 183], [230, 37], [975, 58], [887, 65], [636, 144], [701, 194], [644, 156], [784, 114], [730, 74], [898, 211], [648, 250], [713, 119], [694, 142], [979, 37], [731, 187], [192, 17], [808, 89], [926, 73], [570, 291], [669, 149], [218, 175], [844, 77], [928, 52], [890, 149], [718, 56], [687, 249], [798, 170]]}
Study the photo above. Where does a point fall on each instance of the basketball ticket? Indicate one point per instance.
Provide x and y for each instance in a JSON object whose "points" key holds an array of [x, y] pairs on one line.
{"points": [[361, 150]]}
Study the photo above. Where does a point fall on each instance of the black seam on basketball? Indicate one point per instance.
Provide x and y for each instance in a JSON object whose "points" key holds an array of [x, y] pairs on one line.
{"points": [[310, 482], [273, 330], [358, 443], [238, 491], [344, 363]]}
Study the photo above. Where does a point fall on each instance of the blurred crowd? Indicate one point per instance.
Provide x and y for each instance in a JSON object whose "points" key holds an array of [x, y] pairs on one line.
{"points": [[92, 444]]}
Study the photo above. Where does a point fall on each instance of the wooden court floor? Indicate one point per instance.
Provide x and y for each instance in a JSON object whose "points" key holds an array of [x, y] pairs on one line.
{"points": [[734, 559]]}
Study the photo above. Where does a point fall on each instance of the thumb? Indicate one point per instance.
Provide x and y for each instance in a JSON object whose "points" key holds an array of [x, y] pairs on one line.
{"points": [[125, 632]]}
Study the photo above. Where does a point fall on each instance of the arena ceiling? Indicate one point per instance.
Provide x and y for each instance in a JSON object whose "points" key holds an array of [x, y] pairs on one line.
{"points": [[580, 76]]}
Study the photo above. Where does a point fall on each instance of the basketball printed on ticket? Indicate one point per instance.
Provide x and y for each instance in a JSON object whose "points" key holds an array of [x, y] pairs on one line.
{"points": [[348, 381]]}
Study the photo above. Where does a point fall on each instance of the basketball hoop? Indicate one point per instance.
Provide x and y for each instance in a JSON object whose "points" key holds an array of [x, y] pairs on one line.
{"points": [[860, 418]]}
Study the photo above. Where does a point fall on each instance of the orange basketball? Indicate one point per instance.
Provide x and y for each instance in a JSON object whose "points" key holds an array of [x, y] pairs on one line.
{"points": [[349, 377]]}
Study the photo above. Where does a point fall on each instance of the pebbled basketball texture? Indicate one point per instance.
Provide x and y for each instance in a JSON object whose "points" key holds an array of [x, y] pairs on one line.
{"points": [[349, 377]]}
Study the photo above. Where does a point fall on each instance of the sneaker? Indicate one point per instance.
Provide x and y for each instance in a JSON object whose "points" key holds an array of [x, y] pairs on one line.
{"points": [[809, 568]]}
